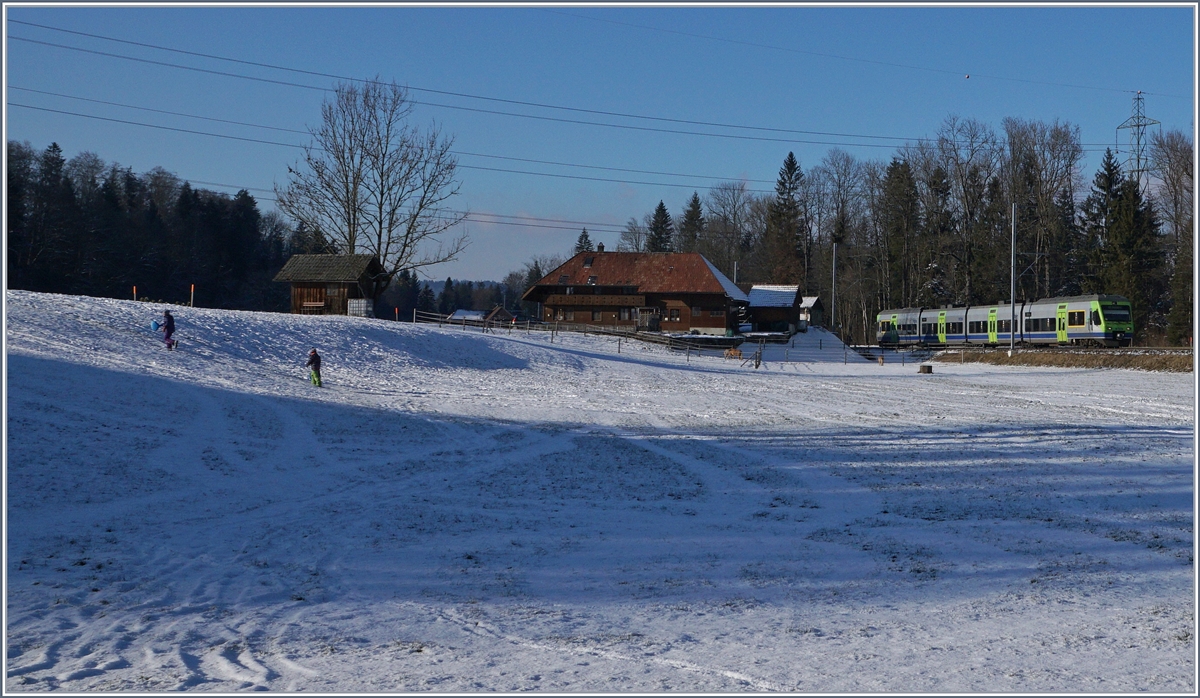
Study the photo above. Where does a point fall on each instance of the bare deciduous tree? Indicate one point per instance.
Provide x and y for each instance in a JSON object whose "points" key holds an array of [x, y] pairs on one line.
{"points": [[1171, 163], [634, 236], [728, 206], [372, 183]]}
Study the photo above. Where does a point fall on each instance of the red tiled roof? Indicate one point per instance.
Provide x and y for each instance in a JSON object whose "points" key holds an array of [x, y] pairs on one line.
{"points": [[651, 272]]}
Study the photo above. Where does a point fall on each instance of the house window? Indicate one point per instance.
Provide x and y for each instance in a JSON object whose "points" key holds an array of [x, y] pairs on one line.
{"points": [[716, 313], [564, 279], [696, 311], [596, 316], [625, 313], [570, 316], [591, 281], [674, 315], [587, 261], [558, 314], [570, 290]]}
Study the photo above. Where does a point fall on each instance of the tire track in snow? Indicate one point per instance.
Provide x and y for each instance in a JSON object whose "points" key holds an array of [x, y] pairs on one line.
{"points": [[480, 628]]}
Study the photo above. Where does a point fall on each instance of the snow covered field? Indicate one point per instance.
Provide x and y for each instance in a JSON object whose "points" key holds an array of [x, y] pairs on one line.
{"points": [[458, 511]]}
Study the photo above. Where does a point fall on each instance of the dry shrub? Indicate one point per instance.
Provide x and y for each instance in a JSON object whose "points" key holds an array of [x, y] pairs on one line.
{"points": [[1144, 360]]}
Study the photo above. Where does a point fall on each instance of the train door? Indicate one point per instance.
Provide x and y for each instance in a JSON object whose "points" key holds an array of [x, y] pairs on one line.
{"points": [[941, 326], [992, 339], [1062, 323]]}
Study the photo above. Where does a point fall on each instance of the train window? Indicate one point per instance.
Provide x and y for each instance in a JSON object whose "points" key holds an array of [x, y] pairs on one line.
{"points": [[1095, 317], [1076, 318], [1003, 326], [1115, 313]]}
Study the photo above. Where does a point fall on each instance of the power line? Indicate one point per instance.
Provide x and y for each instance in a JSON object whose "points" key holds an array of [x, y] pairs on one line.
{"points": [[541, 105], [294, 145], [163, 128], [157, 111], [306, 133], [627, 127], [474, 217], [852, 58]]}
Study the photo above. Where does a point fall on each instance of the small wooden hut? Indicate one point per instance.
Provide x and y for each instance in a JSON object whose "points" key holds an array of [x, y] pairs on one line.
{"points": [[324, 284]]}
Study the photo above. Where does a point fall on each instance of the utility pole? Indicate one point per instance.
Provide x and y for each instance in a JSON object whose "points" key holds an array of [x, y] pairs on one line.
{"points": [[833, 294], [1012, 297]]}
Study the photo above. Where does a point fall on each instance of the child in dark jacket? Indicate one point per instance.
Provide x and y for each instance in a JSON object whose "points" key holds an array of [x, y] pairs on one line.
{"points": [[168, 326], [314, 362]]}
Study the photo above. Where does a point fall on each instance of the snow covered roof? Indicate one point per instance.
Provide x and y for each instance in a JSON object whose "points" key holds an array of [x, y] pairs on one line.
{"points": [[330, 268], [812, 302], [468, 314], [731, 288], [650, 272], [773, 296]]}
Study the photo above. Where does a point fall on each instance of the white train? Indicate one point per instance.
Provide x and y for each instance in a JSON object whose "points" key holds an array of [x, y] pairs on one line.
{"points": [[1096, 320]]}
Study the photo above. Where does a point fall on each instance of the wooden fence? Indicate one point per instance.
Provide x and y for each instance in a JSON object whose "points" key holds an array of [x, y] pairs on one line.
{"points": [[693, 343]]}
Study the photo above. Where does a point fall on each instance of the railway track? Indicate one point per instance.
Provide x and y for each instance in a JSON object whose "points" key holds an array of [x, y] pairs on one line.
{"points": [[1025, 349]]}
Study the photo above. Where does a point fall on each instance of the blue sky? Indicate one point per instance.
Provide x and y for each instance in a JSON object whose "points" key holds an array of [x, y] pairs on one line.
{"points": [[895, 72]]}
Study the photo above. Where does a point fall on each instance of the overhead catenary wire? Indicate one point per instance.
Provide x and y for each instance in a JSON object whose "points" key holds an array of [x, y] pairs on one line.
{"points": [[298, 146]]}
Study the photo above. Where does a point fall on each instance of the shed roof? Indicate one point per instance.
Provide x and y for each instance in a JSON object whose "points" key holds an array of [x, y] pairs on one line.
{"points": [[462, 314], [773, 296], [330, 268], [650, 272]]}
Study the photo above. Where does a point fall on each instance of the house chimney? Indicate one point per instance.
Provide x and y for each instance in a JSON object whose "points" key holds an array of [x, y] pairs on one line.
{"points": [[599, 246]]}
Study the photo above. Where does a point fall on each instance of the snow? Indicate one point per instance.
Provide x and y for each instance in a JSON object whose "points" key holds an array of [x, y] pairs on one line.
{"points": [[772, 296], [465, 511], [731, 288]]}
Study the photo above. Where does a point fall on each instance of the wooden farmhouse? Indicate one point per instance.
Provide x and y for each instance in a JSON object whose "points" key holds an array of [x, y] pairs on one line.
{"points": [[325, 284], [656, 291], [775, 308]]}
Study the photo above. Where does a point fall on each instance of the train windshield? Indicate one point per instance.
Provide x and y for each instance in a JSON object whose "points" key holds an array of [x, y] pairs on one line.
{"points": [[1115, 313]]}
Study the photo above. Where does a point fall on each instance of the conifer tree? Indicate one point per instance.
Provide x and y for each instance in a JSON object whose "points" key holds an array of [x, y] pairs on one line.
{"points": [[691, 225], [1096, 218], [534, 274], [1128, 255], [662, 230], [447, 302], [426, 302], [584, 243], [783, 224], [900, 220]]}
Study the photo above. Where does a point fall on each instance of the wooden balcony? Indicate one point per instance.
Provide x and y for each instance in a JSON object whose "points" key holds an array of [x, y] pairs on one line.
{"points": [[586, 300]]}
